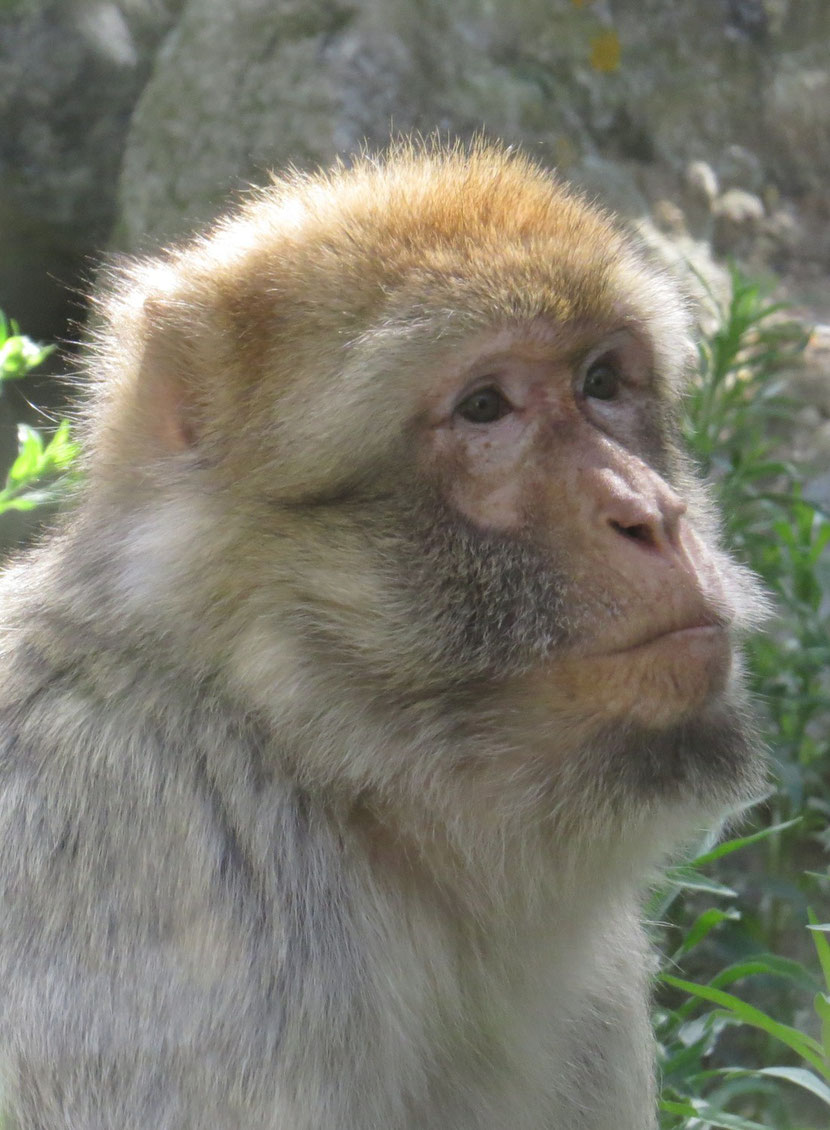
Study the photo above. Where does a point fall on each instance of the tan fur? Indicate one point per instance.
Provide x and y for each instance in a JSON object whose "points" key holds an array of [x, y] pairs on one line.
{"points": [[335, 751]]}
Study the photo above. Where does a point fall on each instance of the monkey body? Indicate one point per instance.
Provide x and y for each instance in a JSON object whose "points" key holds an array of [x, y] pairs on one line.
{"points": [[173, 898], [386, 653]]}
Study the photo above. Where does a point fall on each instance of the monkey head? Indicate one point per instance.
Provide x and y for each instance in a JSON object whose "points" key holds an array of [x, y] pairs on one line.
{"points": [[395, 452]]}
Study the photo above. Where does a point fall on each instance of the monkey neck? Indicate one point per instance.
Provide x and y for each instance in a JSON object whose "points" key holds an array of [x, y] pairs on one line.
{"points": [[462, 791]]}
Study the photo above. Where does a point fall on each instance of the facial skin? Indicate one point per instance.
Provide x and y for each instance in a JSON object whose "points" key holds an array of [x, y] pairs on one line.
{"points": [[555, 452], [388, 650]]}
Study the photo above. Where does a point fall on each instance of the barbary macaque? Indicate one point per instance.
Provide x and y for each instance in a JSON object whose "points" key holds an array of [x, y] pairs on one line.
{"points": [[387, 650]]}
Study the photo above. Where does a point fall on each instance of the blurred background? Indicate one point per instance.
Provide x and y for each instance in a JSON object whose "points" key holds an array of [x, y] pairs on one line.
{"points": [[705, 124]]}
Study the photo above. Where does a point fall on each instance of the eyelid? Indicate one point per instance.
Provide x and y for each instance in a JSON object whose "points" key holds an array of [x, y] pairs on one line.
{"points": [[609, 355], [482, 384], [629, 354], [505, 407]]}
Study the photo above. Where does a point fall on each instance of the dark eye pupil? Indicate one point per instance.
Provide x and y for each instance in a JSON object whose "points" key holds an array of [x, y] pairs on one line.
{"points": [[602, 381], [484, 406]]}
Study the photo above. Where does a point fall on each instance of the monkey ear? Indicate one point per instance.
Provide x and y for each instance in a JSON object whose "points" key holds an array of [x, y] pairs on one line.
{"points": [[164, 391]]}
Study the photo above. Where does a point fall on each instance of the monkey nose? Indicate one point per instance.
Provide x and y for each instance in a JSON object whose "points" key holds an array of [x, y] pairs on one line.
{"points": [[649, 517]]}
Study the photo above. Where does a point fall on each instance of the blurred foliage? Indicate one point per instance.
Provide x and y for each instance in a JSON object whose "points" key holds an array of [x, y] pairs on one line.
{"points": [[751, 1032], [39, 474]]}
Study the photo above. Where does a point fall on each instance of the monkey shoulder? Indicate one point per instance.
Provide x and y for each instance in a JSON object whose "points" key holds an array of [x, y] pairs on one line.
{"points": [[129, 814], [136, 913]]}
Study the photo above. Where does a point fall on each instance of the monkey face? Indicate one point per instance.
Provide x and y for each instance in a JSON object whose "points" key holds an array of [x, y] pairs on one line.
{"points": [[551, 447]]}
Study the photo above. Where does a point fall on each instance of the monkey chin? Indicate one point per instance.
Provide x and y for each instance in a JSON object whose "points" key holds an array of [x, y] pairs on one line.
{"points": [[652, 684], [670, 677]]}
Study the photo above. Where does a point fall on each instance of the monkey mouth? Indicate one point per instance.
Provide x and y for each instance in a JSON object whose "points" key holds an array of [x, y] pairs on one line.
{"points": [[658, 676], [701, 632]]}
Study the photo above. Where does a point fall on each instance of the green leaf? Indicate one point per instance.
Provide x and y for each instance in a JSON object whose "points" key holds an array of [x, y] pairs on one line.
{"points": [[61, 452], [702, 926], [821, 943], [728, 846], [19, 355], [29, 456], [768, 964], [821, 1004], [28, 482], [804, 1045], [691, 880], [24, 501], [709, 1116], [802, 1078]]}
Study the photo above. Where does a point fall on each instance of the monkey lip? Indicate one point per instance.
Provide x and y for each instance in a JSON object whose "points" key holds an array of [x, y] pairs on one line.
{"points": [[702, 636], [700, 632]]}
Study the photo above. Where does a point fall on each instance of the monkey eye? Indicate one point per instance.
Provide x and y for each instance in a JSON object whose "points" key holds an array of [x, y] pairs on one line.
{"points": [[602, 381], [484, 406]]}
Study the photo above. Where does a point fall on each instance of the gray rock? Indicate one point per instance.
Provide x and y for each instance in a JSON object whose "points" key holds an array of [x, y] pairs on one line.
{"points": [[738, 168], [797, 117], [811, 382], [244, 86], [70, 72], [131, 121], [612, 183]]}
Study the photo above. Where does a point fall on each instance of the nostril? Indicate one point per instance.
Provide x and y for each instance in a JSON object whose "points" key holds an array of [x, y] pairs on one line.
{"points": [[638, 532]]}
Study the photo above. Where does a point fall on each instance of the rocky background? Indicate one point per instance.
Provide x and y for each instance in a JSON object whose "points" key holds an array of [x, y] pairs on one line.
{"points": [[705, 122]]}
